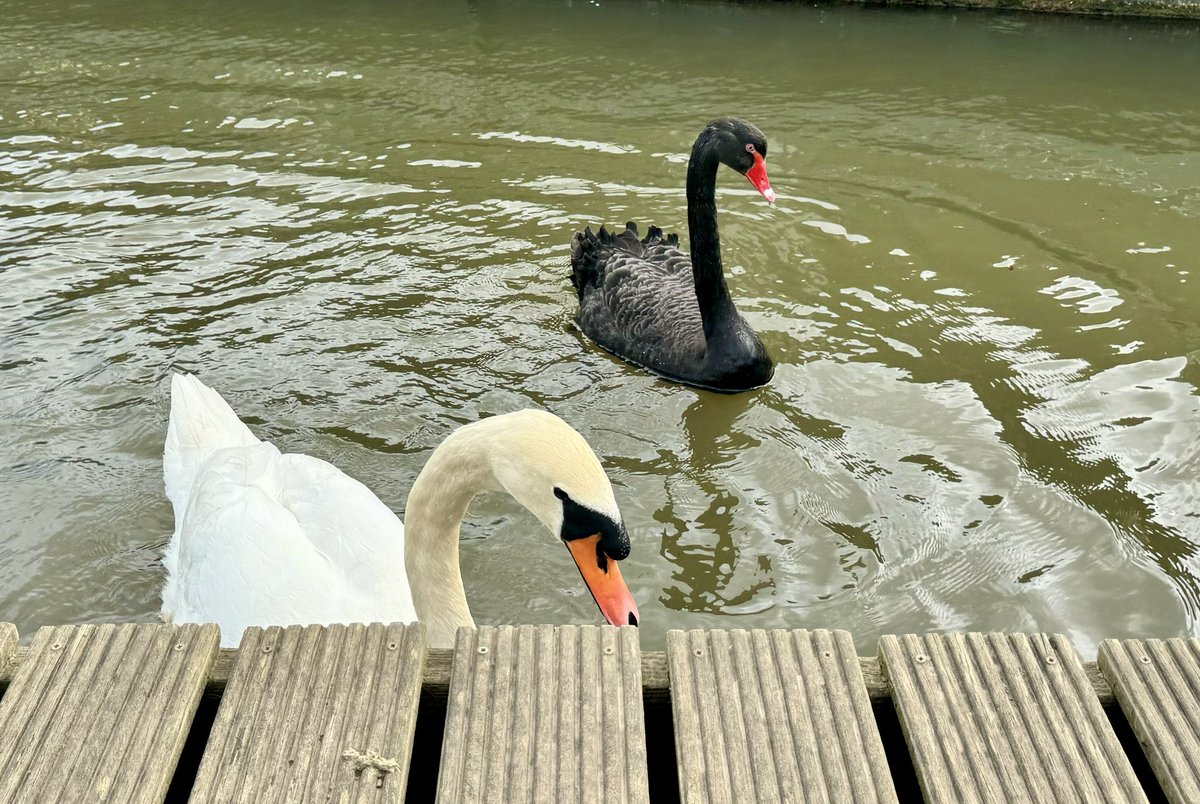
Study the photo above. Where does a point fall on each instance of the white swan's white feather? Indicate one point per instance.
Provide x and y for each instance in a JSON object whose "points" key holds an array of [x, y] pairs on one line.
{"points": [[201, 423], [257, 531]]}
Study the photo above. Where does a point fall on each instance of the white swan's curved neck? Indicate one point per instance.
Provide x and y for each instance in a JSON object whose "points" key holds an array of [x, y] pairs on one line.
{"points": [[532, 455], [436, 506]]}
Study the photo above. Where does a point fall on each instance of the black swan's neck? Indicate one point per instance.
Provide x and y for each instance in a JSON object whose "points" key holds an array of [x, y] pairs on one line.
{"points": [[707, 271]]}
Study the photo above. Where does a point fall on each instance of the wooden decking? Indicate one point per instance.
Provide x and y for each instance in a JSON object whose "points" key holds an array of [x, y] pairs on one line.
{"points": [[149, 713]]}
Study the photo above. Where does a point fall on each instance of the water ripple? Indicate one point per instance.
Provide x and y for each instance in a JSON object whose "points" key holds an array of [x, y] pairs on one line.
{"points": [[360, 235]]}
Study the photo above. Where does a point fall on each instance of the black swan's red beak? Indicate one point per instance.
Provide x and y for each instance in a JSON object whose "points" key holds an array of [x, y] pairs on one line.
{"points": [[758, 177]]}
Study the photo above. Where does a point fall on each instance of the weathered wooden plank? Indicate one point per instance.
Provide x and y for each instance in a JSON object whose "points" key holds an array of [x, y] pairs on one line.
{"points": [[1157, 683], [773, 716], [316, 713], [101, 712], [545, 714], [1004, 717]]}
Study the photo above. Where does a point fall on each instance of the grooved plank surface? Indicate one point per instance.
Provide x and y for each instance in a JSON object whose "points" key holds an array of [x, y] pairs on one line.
{"points": [[1004, 717], [316, 713], [545, 714], [1157, 683], [773, 716], [100, 712]]}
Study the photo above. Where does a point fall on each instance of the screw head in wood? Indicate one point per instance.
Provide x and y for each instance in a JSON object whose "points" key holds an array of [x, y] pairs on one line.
{"points": [[483, 649]]}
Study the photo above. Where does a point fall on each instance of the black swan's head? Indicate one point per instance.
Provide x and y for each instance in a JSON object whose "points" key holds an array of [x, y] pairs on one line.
{"points": [[741, 146]]}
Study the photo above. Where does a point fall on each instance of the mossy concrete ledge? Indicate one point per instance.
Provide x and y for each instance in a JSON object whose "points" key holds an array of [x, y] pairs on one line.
{"points": [[1159, 9]]}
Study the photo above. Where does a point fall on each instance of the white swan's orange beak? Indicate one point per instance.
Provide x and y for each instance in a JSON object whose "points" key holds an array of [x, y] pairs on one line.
{"points": [[603, 578], [758, 177]]}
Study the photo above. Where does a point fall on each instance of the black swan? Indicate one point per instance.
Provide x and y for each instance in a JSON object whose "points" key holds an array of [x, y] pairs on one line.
{"points": [[647, 302]]}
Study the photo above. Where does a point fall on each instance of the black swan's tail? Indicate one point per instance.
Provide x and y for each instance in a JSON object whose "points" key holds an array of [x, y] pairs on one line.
{"points": [[655, 236], [589, 251], [585, 259]]}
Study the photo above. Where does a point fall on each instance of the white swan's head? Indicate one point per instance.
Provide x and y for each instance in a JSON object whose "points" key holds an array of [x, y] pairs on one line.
{"points": [[549, 468]]}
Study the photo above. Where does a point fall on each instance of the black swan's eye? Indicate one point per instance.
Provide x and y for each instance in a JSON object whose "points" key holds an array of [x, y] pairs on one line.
{"points": [[750, 147]]}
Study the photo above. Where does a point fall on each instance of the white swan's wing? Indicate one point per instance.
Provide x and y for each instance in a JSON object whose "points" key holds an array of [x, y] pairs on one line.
{"points": [[268, 539], [354, 530], [241, 558], [271, 539], [201, 423]]}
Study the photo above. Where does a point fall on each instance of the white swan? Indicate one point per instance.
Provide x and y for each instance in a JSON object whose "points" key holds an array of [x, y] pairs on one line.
{"points": [[263, 538]]}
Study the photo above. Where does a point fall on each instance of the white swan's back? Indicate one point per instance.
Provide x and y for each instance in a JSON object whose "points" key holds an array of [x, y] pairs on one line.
{"points": [[257, 531]]}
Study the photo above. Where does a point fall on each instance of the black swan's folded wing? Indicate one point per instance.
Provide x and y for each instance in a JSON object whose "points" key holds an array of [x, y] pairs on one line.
{"points": [[637, 298]]}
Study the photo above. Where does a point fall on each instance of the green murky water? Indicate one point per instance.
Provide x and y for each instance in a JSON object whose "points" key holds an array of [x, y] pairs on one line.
{"points": [[980, 283]]}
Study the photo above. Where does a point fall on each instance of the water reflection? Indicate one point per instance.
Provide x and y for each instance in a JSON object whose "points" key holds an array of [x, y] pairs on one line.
{"points": [[714, 574]]}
